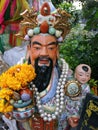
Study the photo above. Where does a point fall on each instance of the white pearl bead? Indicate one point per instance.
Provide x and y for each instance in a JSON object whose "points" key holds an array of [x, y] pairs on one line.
{"points": [[45, 118], [62, 98], [57, 108], [33, 85], [57, 104], [62, 94], [60, 79], [61, 76], [37, 97], [37, 93], [49, 115], [64, 79], [49, 119], [30, 32], [57, 96], [42, 115], [59, 83], [39, 106], [61, 102], [40, 111], [36, 89], [57, 91], [61, 90], [61, 107], [45, 114], [57, 100], [63, 72], [58, 87], [56, 113], [60, 110], [53, 116], [38, 102], [66, 72], [62, 86], [63, 83]]}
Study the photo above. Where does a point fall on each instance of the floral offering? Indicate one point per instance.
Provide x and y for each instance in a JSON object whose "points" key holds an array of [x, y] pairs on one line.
{"points": [[13, 84]]}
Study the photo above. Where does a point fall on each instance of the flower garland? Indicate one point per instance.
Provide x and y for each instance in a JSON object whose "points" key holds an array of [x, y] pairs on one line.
{"points": [[14, 79]]}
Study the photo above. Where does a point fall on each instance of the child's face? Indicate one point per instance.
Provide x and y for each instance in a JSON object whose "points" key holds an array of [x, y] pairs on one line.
{"points": [[81, 75]]}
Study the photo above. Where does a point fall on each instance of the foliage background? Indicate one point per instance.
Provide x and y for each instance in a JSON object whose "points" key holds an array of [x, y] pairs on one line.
{"points": [[81, 45]]}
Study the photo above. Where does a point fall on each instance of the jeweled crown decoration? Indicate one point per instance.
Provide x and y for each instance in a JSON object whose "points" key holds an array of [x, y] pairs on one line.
{"points": [[56, 24]]}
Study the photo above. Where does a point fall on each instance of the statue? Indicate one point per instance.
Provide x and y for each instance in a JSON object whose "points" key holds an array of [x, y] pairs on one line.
{"points": [[51, 110], [76, 91]]}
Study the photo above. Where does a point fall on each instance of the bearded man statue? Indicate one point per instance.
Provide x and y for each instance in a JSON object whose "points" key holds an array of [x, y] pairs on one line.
{"points": [[54, 109]]}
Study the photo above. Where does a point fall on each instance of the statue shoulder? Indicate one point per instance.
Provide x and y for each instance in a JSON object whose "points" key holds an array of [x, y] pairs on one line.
{"points": [[22, 60]]}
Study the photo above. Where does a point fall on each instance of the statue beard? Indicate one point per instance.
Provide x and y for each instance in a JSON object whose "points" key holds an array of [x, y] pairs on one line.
{"points": [[43, 74]]}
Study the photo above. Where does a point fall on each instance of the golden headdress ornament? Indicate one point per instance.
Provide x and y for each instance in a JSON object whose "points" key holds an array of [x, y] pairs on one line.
{"points": [[45, 23]]}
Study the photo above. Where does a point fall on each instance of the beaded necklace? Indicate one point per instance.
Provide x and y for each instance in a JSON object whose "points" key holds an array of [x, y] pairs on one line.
{"points": [[59, 95]]}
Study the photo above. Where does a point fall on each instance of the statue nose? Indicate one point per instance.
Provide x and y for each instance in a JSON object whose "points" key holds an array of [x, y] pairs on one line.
{"points": [[44, 52]]}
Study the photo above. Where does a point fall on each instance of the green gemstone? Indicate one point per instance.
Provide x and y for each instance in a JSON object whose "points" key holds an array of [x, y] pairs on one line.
{"points": [[36, 30], [19, 101], [52, 30]]}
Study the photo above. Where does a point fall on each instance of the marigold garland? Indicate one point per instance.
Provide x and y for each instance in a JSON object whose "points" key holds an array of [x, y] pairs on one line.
{"points": [[14, 79]]}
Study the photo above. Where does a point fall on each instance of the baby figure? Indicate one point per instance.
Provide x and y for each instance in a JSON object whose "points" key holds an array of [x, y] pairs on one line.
{"points": [[82, 75]]}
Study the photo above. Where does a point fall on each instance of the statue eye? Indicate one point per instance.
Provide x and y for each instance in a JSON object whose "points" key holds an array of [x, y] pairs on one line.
{"points": [[51, 47], [37, 48]]}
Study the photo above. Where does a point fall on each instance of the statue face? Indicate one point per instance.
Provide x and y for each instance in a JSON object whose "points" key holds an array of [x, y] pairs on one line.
{"points": [[43, 47], [83, 73]]}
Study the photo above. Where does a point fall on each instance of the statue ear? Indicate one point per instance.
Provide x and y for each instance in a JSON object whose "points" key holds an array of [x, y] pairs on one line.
{"points": [[27, 51], [28, 47], [58, 55]]}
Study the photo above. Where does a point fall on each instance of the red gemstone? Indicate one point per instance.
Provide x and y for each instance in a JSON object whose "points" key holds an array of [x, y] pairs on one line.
{"points": [[27, 91], [44, 27]]}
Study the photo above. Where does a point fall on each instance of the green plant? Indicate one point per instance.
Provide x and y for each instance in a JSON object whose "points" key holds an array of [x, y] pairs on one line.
{"points": [[80, 46], [93, 83], [94, 86], [56, 2], [90, 13]]}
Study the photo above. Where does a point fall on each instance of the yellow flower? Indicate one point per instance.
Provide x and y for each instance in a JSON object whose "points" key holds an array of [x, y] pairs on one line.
{"points": [[5, 106], [17, 77], [14, 79], [13, 83], [9, 108], [6, 93]]}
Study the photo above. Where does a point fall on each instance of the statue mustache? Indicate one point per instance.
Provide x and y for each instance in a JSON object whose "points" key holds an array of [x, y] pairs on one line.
{"points": [[44, 58]]}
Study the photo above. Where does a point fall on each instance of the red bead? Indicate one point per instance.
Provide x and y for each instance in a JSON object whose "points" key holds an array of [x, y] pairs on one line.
{"points": [[28, 91], [44, 27]]}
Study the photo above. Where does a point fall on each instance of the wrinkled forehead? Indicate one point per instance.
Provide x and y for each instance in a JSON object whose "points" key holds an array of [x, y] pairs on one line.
{"points": [[44, 39]]}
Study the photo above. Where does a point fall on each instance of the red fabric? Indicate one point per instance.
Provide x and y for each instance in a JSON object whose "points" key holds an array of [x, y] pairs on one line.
{"points": [[12, 10], [12, 40]]}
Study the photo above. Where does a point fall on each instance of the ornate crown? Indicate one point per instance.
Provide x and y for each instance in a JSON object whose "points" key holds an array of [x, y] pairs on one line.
{"points": [[46, 23]]}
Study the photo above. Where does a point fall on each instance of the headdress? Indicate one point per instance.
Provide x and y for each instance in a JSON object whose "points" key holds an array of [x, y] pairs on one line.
{"points": [[56, 24]]}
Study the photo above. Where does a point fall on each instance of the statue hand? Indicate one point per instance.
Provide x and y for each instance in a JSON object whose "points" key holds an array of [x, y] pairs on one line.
{"points": [[73, 121]]}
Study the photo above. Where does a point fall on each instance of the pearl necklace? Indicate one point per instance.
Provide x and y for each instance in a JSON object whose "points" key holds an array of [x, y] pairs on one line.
{"points": [[59, 95]]}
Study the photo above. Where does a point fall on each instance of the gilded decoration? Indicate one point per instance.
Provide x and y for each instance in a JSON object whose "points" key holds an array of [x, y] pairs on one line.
{"points": [[91, 110], [30, 21]]}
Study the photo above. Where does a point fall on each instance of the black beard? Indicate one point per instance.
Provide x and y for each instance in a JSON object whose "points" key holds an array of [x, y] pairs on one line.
{"points": [[43, 75]]}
